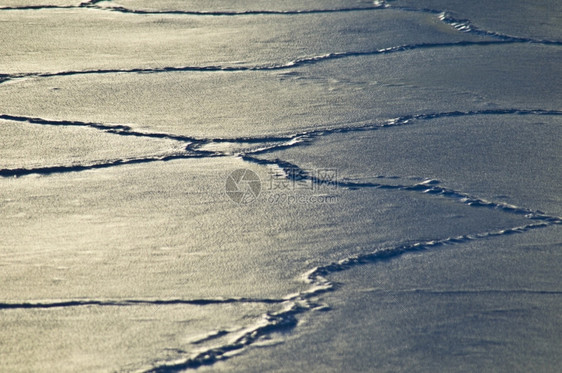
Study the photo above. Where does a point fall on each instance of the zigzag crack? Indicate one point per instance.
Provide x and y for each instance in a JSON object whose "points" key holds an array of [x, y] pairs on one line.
{"points": [[136, 302], [291, 170]]}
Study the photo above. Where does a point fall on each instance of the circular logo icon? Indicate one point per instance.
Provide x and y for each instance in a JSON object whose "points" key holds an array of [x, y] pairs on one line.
{"points": [[243, 185]]}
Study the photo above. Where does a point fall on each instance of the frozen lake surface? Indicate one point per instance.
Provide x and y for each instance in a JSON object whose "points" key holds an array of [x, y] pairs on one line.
{"points": [[320, 185]]}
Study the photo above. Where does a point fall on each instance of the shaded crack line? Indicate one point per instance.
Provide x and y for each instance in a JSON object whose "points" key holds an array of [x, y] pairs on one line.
{"points": [[122, 9], [38, 7], [35, 120], [84, 4], [272, 67], [117, 129], [137, 302], [317, 275], [428, 188], [291, 170], [93, 4], [49, 170]]}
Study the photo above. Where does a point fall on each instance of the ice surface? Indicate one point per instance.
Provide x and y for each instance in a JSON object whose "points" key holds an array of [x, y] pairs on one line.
{"points": [[287, 186], [163, 229]]}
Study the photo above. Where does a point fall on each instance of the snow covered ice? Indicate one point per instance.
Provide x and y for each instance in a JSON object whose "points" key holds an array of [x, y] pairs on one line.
{"points": [[320, 185]]}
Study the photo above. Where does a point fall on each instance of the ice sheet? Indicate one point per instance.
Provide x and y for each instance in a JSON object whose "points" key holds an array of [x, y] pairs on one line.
{"points": [[287, 186]]}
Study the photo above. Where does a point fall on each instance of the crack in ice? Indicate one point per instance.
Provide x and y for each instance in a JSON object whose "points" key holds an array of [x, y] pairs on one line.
{"points": [[299, 62], [136, 302]]}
